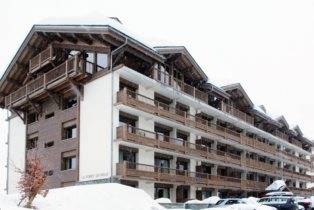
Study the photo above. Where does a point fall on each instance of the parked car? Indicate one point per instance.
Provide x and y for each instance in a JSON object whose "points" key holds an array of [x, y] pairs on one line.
{"points": [[280, 202], [228, 201], [305, 202]]}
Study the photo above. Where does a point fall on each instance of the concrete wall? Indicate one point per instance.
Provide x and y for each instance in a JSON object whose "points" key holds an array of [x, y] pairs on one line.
{"points": [[96, 130], [16, 152]]}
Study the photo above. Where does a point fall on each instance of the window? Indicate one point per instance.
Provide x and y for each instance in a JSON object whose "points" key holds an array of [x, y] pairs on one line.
{"points": [[102, 61], [68, 160], [90, 60], [70, 102], [49, 144], [50, 115], [31, 143], [69, 130], [32, 117]]}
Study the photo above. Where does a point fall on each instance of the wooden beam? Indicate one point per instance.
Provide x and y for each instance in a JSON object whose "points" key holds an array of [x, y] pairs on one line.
{"points": [[54, 36], [18, 114], [69, 37], [84, 39], [102, 49], [33, 48], [14, 81]]}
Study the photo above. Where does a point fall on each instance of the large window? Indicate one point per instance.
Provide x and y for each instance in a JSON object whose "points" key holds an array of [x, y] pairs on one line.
{"points": [[68, 160], [31, 143], [69, 130], [102, 61]]}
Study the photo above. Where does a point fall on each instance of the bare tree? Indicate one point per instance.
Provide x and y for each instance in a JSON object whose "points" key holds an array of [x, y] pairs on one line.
{"points": [[31, 181]]}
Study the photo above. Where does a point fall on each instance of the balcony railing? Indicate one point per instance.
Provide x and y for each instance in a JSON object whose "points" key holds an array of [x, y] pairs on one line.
{"points": [[158, 140], [160, 174], [166, 78], [237, 113], [296, 175], [70, 68], [41, 59], [155, 107], [293, 158]]}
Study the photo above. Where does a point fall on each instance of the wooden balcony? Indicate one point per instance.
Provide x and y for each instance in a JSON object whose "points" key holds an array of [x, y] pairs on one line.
{"points": [[71, 68], [166, 78], [154, 107], [301, 191], [255, 164], [148, 172], [41, 59], [237, 113], [157, 140], [293, 158]]}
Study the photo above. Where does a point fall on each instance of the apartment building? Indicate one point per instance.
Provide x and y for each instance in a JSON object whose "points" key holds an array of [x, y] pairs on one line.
{"points": [[98, 104]]}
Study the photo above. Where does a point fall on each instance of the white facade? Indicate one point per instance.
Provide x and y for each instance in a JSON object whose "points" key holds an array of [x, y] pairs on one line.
{"points": [[16, 152]]}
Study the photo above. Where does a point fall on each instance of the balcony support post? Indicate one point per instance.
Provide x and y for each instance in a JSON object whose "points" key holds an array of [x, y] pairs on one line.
{"points": [[19, 115]]}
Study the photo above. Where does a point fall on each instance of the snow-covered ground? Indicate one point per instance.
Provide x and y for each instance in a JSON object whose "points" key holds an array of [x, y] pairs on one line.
{"points": [[88, 197]]}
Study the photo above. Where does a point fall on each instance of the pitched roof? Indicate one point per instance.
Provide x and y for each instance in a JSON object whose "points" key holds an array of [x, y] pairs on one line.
{"points": [[238, 86]]}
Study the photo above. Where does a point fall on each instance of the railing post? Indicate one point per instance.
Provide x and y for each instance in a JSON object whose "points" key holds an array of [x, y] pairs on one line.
{"points": [[66, 68], [45, 81]]}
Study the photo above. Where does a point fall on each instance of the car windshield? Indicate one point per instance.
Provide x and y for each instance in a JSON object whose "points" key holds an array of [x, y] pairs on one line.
{"points": [[274, 200], [220, 202]]}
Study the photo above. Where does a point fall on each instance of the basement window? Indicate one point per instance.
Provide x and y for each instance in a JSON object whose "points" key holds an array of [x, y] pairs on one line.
{"points": [[68, 160], [50, 115], [69, 130], [49, 144], [32, 117], [31, 143]]}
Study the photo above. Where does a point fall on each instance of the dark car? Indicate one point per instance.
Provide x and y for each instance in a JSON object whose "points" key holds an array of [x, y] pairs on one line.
{"points": [[280, 202]]}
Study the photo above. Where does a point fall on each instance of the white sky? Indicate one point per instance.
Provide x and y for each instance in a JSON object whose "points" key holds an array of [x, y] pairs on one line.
{"points": [[267, 46]]}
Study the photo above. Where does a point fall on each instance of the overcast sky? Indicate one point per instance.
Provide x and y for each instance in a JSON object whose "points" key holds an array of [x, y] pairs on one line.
{"points": [[267, 46]]}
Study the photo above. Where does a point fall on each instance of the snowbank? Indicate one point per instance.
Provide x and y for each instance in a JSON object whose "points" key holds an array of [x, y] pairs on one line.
{"points": [[195, 201], [163, 200], [87, 197], [243, 207], [211, 200]]}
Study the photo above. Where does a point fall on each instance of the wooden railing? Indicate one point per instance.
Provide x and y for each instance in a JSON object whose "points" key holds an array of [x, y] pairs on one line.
{"points": [[165, 78], [296, 175], [158, 140], [155, 107], [69, 68], [294, 158], [237, 113], [41, 59], [143, 171], [301, 191]]}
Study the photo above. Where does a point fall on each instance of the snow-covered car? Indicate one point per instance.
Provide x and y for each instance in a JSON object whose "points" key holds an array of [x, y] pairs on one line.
{"points": [[280, 202], [228, 201], [244, 205], [306, 203]]}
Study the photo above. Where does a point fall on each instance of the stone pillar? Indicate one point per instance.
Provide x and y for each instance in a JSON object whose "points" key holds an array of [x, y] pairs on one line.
{"points": [[173, 194], [215, 192], [214, 170], [147, 186]]}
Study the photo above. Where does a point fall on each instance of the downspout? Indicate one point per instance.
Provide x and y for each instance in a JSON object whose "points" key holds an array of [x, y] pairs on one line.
{"points": [[112, 103], [8, 156]]}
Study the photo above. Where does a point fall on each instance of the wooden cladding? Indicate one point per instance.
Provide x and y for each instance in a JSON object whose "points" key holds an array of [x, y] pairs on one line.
{"points": [[41, 59], [165, 78], [237, 113], [157, 140], [155, 107], [149, 172], [70, 68]]}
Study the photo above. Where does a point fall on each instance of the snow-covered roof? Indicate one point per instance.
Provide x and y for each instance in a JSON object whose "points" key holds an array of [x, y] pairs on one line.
{"points": [[277, 185], [283, 120], [182, 50], [238, 86]]}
